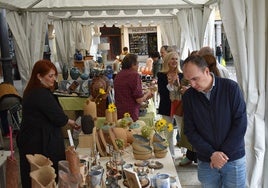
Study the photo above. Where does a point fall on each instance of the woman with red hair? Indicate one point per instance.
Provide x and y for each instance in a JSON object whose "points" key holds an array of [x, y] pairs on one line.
{"points": [[42, 119]]}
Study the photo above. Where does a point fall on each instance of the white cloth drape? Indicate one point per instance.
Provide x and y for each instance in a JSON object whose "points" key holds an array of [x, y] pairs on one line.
{"points": [[170, 33], [29, 32], [71, 35], [193, 24], [245, 23]]}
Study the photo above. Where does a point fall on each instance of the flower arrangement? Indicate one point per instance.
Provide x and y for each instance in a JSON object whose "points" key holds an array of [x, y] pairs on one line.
{"points": [[159, 126], [126, 121], [111, 107], [99, 97], [162, 125]]}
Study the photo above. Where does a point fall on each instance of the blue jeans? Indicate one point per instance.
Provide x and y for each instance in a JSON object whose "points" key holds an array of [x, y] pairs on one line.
{"points": [[231, 175]]}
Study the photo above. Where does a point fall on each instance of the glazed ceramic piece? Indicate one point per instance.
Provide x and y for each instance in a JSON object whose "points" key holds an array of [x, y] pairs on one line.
{"points": [[142, 156], [142, 163], [160, 154], [143, 148], [159, 146], [140, 139], [155, 165], [74, 73], [158, 138], [65, 72], [84, 76]]}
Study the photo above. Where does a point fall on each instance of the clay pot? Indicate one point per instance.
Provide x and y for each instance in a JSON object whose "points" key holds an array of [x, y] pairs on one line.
{"points": [[74, 73], [120, 133], [37, 161], [65, 72]]}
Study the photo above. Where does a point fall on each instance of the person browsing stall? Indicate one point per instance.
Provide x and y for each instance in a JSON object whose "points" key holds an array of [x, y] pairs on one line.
{"points": [[128, 88], [215, 123], [42, 120]]}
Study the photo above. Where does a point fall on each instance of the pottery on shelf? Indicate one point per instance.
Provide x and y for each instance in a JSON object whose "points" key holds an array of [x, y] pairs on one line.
{"points": [[65, 72], [74, 73], [84, 76]]}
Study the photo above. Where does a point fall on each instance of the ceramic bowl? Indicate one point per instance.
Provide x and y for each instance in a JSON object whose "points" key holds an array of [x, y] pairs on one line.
{"points": [[142, 156], [158, 138], [140, 139], [139, 147], [142, 152], [160, 154], [159, 146]]}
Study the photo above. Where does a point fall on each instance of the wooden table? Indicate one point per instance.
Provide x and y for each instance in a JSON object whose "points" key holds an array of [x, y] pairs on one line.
{"points": [[168, 163]]}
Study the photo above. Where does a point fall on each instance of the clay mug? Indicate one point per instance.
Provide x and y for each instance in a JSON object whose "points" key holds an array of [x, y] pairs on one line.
{"points": [[162, 181]]}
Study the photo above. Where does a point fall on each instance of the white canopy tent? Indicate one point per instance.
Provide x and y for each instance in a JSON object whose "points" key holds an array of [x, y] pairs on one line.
{"points": [[183, 23]]}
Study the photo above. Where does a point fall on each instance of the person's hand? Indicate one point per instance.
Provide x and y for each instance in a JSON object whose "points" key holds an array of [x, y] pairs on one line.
{"points": [[73, 124], [183, 89], [149, 94], [218, 159], [172, 77]]}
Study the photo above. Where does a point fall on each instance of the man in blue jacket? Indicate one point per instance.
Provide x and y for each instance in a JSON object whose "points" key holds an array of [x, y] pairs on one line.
{"points": [[215, 122]]}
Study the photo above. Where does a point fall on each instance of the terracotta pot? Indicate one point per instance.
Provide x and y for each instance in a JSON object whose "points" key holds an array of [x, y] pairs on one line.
{"points": [[37, 161], [120, 133], [129, 136], [90, 108], [109, 116]]}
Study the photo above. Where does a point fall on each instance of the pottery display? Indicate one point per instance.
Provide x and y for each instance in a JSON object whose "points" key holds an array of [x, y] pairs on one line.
{"points": [[74, 73], [140, 139], [65, 72], [84, 76]]}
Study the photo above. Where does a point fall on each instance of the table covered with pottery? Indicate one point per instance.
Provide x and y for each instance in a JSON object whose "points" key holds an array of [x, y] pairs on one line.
{"points": [[150, 167]]}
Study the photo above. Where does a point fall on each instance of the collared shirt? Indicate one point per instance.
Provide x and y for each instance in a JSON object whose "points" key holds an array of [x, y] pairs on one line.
{"points": [[207, 94]]}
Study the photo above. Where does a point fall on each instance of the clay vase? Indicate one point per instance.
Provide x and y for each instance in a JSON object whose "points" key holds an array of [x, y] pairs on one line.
{"points": [[120, 133], [65, 72], [74, 73], [37, 161], [90, 108], [109, 116], [44, 177], [73, 159]]}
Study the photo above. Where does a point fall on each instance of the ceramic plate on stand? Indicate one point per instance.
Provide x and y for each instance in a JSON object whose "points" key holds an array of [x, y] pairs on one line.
{"points": [[112, 137], [100, 147]]}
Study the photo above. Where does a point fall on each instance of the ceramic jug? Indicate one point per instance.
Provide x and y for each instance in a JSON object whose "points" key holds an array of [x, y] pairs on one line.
{"points": [[74, 73]]}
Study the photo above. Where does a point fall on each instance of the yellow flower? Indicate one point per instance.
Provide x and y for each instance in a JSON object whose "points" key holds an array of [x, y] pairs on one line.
{"points": [[162, 122], [111, 107], [101, 91], [162, 125], [169, 127], [126, 114]]}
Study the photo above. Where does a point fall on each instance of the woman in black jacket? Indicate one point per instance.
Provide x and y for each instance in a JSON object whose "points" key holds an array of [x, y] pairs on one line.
{"points": [[42, 119]]}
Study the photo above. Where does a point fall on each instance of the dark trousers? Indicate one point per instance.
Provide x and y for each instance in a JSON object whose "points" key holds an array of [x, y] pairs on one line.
{"points": [[4, 122]]}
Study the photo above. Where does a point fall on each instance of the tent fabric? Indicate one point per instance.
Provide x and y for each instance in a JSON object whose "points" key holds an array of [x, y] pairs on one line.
{"points": [[29, 40], [193, 23], [245, 23]]}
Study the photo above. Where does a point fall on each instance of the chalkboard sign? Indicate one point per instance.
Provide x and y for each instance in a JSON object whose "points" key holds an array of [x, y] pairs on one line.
{"points": [[142, 43], [138, 43]]}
